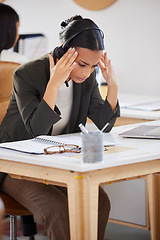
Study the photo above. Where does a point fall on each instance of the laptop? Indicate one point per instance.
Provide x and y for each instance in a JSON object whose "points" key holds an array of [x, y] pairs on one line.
{"points": [[143, 131]]}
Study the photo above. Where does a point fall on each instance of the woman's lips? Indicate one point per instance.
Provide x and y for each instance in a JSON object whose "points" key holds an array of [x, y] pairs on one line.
{"points": [[81, 79]]}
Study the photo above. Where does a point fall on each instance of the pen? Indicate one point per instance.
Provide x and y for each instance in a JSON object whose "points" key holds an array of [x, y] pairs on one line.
{"points": [[83, 129], [105, 126]]}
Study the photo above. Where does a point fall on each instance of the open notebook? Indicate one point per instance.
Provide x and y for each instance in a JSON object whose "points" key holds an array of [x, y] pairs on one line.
{"points": [[143, 131], [37, 145]]}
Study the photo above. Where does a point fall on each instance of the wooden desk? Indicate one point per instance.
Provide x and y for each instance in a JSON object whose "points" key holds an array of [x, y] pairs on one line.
{"points": [[128, 120], [130, 159], [131, 116]]}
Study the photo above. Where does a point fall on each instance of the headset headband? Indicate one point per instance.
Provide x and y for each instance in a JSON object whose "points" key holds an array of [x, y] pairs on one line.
{"points": [[70, 38]]}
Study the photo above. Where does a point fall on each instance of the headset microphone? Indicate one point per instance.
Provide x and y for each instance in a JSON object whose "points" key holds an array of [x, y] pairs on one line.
{"points": [[66, 82]]}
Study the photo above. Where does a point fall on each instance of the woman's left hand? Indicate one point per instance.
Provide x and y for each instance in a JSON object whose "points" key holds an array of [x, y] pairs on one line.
{"points": [[107, 70], [108, 74]]}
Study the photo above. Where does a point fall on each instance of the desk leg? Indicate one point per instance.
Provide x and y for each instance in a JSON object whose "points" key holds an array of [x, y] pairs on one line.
{"points": [[83, 208], [154, 205]]}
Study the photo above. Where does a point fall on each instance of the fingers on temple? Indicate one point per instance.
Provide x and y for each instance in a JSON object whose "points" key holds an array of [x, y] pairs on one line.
{"points": [[110, 65], [106, 59], [101, 65], [69, 57], [72, 66], [51, 61]]}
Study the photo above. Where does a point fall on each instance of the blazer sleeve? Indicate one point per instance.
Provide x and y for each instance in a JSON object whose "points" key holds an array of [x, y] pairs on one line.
{"points": [[100, 111], [36, 114]]}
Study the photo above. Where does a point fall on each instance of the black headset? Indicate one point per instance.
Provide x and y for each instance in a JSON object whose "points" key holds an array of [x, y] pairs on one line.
{"points": [[60, 51]]}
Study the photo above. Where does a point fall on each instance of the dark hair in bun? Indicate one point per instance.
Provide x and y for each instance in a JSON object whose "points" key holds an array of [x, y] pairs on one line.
{"points": [[87, 33]]}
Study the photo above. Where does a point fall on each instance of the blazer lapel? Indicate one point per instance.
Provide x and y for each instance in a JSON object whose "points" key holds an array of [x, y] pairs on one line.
{"points": [[75, 105]]}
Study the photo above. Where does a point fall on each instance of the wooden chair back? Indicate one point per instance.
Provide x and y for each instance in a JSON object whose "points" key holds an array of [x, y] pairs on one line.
{"points": [[6, 72], [12, 207]]}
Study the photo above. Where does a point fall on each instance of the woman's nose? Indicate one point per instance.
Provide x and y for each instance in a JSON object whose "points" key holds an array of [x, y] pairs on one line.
{"points": [[86, 73]]}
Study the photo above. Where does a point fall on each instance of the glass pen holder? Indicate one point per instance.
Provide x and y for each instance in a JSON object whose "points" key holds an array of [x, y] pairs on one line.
{"points": [[92, 147]]}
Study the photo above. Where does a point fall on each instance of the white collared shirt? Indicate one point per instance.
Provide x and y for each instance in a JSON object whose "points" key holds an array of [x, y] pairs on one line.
{"points": [[64, 103]]}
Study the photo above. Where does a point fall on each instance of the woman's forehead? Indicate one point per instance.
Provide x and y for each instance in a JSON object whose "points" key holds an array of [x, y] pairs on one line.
{"points": [[89, 56]]}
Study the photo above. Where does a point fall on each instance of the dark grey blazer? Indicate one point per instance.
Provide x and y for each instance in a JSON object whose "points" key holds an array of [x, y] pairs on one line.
{"points": [[28, 115]]}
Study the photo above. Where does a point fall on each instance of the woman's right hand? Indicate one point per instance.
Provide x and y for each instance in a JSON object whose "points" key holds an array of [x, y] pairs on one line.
{"points": [[58, 75], [60, 72]]}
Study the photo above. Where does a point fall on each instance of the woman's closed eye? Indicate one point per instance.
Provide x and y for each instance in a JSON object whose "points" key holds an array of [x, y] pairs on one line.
{"points": [[81, 65]]}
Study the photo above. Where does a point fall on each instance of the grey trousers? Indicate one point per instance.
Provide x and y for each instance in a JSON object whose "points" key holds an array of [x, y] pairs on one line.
{"points": [[49, 203]]}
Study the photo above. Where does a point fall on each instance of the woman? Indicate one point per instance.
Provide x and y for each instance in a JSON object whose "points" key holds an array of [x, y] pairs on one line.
{"points": [[53, 95], [9, 25]]}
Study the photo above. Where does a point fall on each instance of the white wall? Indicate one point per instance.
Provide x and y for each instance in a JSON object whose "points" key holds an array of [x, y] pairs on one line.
{"points": [[132, 35]]}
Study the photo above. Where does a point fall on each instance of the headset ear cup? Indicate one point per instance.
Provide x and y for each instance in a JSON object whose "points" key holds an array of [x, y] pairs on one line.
{"points": [[59, 52]]}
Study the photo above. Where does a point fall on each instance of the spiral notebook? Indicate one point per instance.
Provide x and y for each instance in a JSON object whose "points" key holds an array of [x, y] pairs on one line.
{"points": [[37, 145]]}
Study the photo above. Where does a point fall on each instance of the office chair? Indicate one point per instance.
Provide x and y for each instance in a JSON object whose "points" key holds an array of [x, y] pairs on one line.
{"points": [[6, 72], [12, 207], [1, 217]]}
